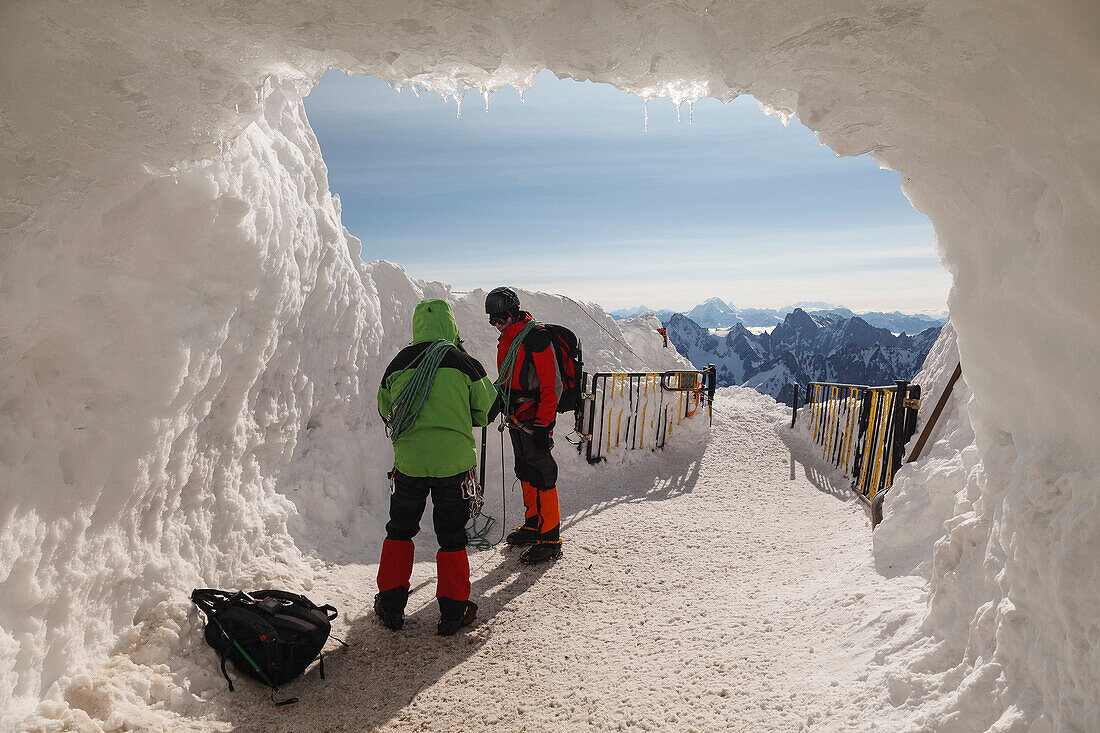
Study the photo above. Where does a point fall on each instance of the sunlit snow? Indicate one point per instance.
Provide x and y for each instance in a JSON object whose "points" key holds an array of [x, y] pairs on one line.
{"points": [[189, 347]]}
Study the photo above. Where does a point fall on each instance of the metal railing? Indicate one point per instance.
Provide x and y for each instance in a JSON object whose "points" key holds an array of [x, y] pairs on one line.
{"points": [[633, 410], [864, 431]]}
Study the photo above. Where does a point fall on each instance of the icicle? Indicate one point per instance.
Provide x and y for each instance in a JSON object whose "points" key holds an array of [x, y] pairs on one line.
{"points": [[678, 112], [521, 99], [416, 90], [645, 112], [459, 98], [237, 108], [175, 174], [691, 111], [396, 87], [486, 95]]}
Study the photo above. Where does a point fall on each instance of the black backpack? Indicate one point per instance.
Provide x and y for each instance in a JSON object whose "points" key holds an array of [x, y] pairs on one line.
{"points": [[567, 350], [271, 635]]}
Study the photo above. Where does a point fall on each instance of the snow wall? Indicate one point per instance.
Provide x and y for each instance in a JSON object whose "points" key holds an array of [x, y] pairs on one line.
{"points": [[186, 331]]}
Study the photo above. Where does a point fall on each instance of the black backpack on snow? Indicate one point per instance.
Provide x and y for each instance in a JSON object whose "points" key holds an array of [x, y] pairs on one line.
{"points": [[567, 351], [271, 635]]}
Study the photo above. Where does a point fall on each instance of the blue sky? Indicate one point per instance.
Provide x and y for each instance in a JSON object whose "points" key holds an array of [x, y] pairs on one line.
{"points": [[567, 192]]}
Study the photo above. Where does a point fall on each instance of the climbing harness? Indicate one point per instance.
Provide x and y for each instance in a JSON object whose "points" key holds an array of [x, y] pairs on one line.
{"points": [[410, 401]]}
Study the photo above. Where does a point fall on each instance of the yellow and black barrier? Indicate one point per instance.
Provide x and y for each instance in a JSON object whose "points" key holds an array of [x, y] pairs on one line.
{"points": [[632, 410], [864, 431]]}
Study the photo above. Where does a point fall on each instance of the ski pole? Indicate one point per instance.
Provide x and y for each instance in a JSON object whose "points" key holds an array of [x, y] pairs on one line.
{"points": [[484, 430]]}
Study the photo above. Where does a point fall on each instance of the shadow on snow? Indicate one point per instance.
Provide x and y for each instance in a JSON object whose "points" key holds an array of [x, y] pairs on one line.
{"points": [[379, 676]]}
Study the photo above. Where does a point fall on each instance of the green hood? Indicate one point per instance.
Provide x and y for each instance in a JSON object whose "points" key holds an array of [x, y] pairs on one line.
{"points": [[433, 319]]}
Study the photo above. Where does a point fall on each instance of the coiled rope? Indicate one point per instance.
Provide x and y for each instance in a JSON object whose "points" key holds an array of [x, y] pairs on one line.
{"points": [[410, 401]]}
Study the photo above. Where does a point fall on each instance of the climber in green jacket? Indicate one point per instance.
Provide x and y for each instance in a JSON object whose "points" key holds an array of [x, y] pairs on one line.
{"points": [[432, 395]]}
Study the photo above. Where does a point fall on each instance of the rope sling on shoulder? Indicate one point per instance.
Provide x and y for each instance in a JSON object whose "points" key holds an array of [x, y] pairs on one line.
{"points": [[507, 366], [410, 401]]}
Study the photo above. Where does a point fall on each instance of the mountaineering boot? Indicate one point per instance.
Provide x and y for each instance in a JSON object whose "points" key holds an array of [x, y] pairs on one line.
{"points": [[389, 606], [541, 551], [523, 536], [454, 615]]}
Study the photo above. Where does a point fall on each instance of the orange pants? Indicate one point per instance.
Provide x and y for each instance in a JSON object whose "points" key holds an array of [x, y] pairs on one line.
{"points": [[542, 511]]}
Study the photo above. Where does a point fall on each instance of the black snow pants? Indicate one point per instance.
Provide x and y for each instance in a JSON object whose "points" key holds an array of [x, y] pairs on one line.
{"points": [[534, 464], [450, 512]]}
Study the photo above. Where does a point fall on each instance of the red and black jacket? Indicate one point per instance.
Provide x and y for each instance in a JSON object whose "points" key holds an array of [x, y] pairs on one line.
{"points": [[535, 384]]}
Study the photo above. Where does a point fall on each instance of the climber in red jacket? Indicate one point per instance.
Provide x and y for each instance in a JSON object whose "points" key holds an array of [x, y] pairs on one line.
{"points": [[529, 385]]}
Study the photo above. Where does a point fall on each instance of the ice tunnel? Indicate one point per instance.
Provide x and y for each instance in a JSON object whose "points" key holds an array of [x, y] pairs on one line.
{"points": [[184, 322]]}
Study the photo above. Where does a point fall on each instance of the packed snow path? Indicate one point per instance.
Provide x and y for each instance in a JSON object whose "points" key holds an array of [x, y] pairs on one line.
{"points": [[732, 590]]}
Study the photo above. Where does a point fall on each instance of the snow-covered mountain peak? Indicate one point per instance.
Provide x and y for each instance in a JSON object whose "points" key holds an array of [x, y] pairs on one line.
{"points": [[799, 322], [714, 313], [801, 349]]}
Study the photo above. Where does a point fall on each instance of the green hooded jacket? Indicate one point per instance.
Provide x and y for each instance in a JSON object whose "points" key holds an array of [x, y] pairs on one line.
{"points": [[441, 442]]}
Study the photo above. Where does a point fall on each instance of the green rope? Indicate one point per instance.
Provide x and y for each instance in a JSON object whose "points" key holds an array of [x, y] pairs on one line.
{"points": [[478, 538], [504, 379], [406, 408]]}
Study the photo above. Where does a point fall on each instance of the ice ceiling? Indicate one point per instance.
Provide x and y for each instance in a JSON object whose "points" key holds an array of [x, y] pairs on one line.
{"points": [[985, 107], [989, 109]]}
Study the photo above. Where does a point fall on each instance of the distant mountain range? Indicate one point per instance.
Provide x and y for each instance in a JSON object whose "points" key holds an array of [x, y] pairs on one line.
{"points": [[803, 348], [636, 310], [716, 313]]}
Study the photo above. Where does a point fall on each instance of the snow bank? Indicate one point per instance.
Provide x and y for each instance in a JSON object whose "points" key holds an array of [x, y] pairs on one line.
{"points": [[203, 373], [971, 645], [1008, 588], [923, 495], [187, 342]]}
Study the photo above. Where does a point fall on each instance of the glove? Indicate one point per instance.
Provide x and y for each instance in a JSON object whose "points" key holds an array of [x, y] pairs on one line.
{"points": [[495, 410], [541, 436]]}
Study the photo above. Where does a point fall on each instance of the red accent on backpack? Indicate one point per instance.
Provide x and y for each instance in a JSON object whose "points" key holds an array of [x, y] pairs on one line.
{"points": [[567, 351]]}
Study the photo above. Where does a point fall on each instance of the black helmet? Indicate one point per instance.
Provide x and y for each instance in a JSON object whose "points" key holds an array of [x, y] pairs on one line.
{"points": [[502, 300]]}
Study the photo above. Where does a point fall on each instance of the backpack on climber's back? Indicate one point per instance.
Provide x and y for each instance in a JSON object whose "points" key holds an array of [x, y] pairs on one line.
{"points": [[567, 351], [271, 635]]}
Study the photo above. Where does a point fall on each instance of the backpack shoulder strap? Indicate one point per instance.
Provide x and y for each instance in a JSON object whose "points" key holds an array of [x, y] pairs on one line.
{"points": [[209, 600], [226, 674], [539, 339]]}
